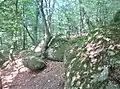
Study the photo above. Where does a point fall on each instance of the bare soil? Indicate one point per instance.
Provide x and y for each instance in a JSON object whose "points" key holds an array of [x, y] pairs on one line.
{"points": [[16, 76]]}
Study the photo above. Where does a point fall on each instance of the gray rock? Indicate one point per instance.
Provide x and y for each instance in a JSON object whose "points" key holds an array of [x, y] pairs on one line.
{"points": [[34, 63], [2, 61]]}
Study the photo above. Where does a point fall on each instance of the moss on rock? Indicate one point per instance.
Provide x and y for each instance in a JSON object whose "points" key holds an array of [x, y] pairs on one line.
{"points": [[34, 62], [88, 67]]}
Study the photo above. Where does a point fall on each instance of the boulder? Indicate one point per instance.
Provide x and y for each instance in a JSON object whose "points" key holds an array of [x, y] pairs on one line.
{"points": [[4, 50], [34, 63], [2, 59]]}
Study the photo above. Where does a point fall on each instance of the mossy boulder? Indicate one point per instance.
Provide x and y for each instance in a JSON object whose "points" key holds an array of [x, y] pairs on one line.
{"points": [[4, 50], [3, 59], [59, 52], [95, 65], [34, 63], [57, 49]]}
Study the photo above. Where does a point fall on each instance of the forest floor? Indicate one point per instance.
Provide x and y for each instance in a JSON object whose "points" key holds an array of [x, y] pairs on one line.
{"points": [[16, 76]]}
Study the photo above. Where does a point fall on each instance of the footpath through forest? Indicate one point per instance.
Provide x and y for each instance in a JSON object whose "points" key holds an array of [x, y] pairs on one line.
{"points": [[16, 76]]}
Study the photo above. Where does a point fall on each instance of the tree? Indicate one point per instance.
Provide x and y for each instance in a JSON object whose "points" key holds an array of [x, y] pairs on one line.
{"points": [[46, 18]]}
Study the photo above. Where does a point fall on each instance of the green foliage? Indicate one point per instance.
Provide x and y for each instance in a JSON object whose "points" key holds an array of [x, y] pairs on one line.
{"points": [[116, 18], [67, 15], [79, 40], [58, 39]]}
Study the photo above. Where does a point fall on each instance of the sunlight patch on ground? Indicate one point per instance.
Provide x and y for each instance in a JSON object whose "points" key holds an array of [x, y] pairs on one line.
{"points": [[11, 71]]}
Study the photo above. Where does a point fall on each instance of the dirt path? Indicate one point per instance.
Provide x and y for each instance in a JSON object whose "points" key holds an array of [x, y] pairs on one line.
{"points": [[17, 76]]}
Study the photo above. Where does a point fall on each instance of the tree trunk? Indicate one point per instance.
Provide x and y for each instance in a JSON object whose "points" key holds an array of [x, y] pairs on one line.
{"points": [[24, 39], [28, 33], [81, 23], [47, 30], [36, 25], [0, 40]]}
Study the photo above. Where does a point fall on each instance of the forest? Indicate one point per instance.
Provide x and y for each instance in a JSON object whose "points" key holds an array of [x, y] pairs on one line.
{"points": [[59, 44]]}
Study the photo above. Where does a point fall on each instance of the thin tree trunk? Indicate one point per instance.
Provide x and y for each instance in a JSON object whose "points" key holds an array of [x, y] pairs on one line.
{"points": [[24, 39], [81, 9], [36, 25], [16, 21], [28, 33], [1, 40]]}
